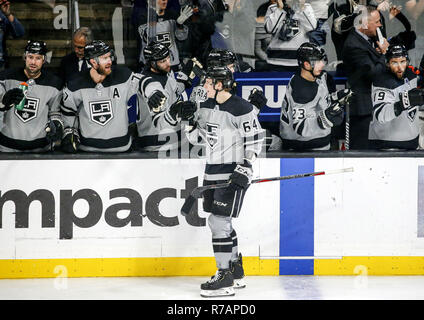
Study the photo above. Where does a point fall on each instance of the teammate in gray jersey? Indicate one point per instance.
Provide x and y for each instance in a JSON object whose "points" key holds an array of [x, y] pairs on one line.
{"points": [[396, 100], [229, 128], [37, 125], [309, 111], [160, 106], [95, 103]]}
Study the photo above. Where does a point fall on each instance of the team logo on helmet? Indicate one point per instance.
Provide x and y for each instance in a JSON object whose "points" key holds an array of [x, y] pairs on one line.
{"points": [[101, 112], [29, 111], [212, 134]]}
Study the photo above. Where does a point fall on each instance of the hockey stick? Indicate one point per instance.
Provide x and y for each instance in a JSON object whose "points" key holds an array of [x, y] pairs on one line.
{"points": [[196, 193]]}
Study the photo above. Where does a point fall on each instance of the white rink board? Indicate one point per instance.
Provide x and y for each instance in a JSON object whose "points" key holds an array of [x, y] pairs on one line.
{"points": [[371, 212], [144, 176]]}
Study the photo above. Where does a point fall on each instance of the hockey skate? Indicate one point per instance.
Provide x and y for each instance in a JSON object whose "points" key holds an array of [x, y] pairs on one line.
{"points": [[221, 284], [238, 273]]}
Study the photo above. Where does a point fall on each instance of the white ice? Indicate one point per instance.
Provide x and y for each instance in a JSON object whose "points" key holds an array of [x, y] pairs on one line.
{"points": [[188, 288]]}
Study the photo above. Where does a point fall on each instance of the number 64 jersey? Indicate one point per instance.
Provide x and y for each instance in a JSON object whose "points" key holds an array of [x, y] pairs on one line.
{"points": [[230, 131]]}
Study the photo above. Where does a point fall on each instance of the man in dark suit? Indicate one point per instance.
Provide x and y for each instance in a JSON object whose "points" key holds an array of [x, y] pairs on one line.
{"points": [[363, 58], [74, 62]]}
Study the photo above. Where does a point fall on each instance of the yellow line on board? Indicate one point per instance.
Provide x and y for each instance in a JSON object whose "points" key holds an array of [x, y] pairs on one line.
{"points": [[126, 267], [370, 266]]}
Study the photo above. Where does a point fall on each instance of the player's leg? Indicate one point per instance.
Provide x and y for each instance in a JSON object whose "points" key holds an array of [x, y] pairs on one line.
{"points": [[221, 284]]}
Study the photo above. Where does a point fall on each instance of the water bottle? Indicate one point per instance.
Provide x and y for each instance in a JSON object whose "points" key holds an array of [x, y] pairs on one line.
{"points": [[24, 87]]}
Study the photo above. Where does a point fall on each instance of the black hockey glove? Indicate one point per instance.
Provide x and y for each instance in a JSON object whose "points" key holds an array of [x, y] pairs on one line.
{"points": [[332, 116], [54, 128], [341, 96], [70, 140], [257, 98], [183, 110], [11, 98], [189, 71], [156, 101], [242, 176], [409, 99]]}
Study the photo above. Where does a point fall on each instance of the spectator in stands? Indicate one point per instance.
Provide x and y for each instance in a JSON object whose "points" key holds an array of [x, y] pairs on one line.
{"points": [[95, 103], [9, 25], [415, 7], [74, 62], [34, 124], [320, 7], [396, 100], [309, 112], [363, 58], [201, 26], [168, 28], [262, 38], [289, 22]]}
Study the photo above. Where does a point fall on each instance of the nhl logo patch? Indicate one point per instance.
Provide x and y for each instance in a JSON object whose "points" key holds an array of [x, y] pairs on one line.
{"points": [[212, 134], [101, 112], [29, 111]]}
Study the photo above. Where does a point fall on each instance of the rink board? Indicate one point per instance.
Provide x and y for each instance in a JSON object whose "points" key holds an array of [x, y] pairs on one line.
{"points": [[120, 217]]}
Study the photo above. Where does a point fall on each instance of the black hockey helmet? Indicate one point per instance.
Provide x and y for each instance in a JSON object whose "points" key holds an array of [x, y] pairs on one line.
{"points": [[310, 52], [36, 46], [221, 73], [155, 51], [220, 57], [396, 51], [95, 49]]}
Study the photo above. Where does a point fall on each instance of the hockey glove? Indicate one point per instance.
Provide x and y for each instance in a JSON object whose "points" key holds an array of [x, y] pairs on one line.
{"points": [[11, 98], [332, 116], [341, 96], [156, 101], [185, 13], [242, 176], [409, 99], [189, 71], [70, 140], [54, 128], [257, 98], [183, 110]]}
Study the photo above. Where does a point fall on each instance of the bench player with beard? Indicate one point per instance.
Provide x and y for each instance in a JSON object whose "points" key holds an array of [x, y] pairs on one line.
{"points": [[160, 105], [396, 100], [38, 125], [95, 103], [229, 128], [309, 111]]}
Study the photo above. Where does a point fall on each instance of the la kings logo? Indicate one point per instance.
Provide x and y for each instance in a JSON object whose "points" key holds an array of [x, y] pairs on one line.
{"points": [[29, 111], [212, 134], [101, 112], [412, 113]]}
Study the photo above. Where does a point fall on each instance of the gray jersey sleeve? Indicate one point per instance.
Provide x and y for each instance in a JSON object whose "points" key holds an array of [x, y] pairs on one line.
{"points": [[383, 100]]}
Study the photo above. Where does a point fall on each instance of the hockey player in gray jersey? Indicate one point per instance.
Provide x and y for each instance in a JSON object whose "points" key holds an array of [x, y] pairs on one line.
{"points": [[160, 106], [37, 124], [289, 22], [309, 111], [396, 101], [94, 105], [230, 130]]}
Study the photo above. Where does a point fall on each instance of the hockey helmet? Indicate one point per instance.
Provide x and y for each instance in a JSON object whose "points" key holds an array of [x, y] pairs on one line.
{"points": [[155, 51], [221, 73], [310, 52], [220, 57], [95, 49], [37, 47], [396, 51]]}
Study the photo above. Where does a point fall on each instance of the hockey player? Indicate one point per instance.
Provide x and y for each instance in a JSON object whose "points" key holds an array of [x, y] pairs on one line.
{"points": [[230, 130], [36, 125], [94, 105], [309, 111], [160, 107], [169, 28], [289, 22], [396, 100]]}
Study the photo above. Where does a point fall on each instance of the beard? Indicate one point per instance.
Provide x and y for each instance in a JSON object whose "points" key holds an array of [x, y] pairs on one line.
{"points": [[104, 71]]}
